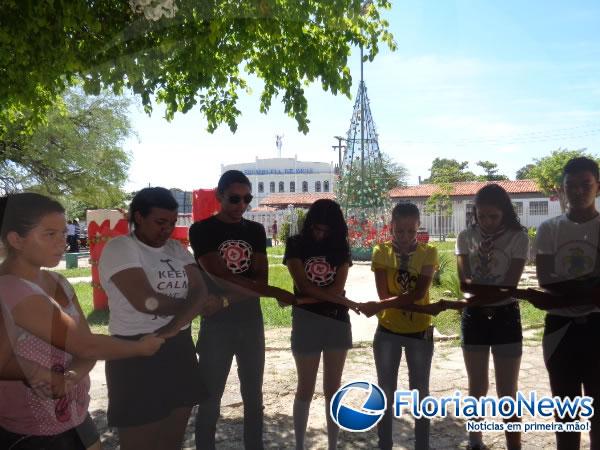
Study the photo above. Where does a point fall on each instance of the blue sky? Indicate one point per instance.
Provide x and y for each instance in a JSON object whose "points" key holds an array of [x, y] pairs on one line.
{"points": [[502, 81]]}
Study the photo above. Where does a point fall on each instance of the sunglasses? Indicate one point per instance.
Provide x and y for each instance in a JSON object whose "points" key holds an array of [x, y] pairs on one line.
{"points": [[235, 199]]}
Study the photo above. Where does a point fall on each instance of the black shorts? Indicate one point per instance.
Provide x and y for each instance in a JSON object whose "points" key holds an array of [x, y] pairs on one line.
{"points": [[314, 333], [143, 390], [78, 438], [492, 325]]}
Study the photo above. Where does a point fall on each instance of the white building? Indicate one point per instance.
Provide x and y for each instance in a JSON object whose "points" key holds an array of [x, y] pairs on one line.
{"points": [[531, 204], [285, 175]]}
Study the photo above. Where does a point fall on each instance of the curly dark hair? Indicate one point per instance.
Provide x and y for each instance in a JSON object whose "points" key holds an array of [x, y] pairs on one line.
{"points": [[148, 198], [495, 195], [327, 212]]}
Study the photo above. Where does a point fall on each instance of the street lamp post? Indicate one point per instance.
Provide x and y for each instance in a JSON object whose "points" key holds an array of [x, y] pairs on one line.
{"points": [[339, 148]]}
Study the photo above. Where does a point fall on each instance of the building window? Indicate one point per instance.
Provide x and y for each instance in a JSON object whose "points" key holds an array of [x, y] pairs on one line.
{"points": [[518, 208], [272, 186], [539, 208], [261, 187], [292, 186], [317, 186], [281, 187], [305, 186], [326, 186]]}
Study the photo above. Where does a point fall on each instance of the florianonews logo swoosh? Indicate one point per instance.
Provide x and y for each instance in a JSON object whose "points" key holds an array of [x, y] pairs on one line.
{"points": [[365, 418]]}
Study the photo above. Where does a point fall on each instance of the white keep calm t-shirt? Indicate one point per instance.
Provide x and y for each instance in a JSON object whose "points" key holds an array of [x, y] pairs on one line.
{"points": [[165, 269], [492, 267], [575, 250]]}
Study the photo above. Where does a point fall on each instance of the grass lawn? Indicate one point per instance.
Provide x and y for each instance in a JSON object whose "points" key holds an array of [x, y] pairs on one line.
{"points": [[277, 250], [78, 272], [444, 247]]}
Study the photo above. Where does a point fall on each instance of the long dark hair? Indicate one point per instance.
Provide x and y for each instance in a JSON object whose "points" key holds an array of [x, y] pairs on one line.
{"points": [[22, 212], [327, 212], [494, 195]]}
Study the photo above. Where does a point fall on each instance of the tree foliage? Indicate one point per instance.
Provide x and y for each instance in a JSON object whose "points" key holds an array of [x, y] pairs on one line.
{"points": [[198, 58], [445, 170], [439, 203], [524, 173], [76, 155], [547, 171], [491, 171], [381, 175]]}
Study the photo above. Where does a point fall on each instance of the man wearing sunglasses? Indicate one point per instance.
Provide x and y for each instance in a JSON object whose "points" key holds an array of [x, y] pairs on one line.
{"points": [[232, 253]]}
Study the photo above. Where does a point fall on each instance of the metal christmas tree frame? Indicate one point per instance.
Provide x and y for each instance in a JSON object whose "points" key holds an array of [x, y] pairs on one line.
{"points": [[362, 190]]}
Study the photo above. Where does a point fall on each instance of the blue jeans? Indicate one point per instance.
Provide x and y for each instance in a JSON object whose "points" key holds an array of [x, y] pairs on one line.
{"points": [[218, 342], [387, 350]]}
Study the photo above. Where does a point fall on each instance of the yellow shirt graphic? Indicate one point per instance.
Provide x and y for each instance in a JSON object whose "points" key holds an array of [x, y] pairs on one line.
{"points": [[399, 280]]}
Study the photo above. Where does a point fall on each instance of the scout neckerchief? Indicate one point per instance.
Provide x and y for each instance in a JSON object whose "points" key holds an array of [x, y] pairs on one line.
{"points": [[486, 248], [403, 273], [485, 251], [403, 259]]}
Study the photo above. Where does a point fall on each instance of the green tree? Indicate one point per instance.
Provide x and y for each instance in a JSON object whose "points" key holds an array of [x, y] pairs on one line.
{"points": [[380, 176], [524, 173], [196, 55], [547, 171], [491, 171], [76, 155], [445, 170]]}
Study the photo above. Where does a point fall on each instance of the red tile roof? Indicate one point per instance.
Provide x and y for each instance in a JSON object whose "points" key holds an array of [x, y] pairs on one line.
{"points": [[466, 188], [299, 199]]}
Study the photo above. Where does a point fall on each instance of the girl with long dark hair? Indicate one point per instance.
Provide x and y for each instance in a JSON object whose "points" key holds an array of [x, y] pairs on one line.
{"points": [[491, 254], [318, 259]]}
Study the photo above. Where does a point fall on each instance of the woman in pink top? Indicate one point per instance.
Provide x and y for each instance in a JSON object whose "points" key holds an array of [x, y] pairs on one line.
{"points": [[46, 327]]}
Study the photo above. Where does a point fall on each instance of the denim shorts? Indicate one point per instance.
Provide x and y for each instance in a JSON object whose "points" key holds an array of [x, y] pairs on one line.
{"points": [[314, 333], [491, 325]]}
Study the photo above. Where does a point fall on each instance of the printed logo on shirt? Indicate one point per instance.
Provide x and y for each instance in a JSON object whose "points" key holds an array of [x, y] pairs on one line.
{"points": [[319, 271], [237, 255], [490, 268], [406, 281], [171, 278], [576, 259]]}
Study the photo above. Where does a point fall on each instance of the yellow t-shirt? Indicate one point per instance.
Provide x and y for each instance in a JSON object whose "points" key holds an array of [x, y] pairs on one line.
{"points": [[399, 281]]}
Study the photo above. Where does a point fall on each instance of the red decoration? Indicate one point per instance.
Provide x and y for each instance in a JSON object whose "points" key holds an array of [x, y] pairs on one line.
{"points": [[181, 234], [204, 204], [98, 236], [364, 233]]}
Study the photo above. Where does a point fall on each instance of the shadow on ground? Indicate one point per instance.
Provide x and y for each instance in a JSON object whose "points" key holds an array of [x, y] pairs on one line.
{"points": [[447, 433]]}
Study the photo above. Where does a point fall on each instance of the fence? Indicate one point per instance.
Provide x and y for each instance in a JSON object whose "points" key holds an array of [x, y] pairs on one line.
{"points": [[531, 212]]}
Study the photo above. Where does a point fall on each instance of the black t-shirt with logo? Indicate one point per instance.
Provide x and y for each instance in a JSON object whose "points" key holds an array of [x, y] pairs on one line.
{"points": [[236, 243], [320, 267]]}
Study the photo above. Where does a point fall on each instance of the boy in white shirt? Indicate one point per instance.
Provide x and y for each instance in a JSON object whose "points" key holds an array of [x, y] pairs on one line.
{"points": [[568, 266]]}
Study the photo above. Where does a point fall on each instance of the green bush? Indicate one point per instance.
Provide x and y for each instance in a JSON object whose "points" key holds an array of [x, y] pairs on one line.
{"points": [[284, 232], [451, 283], [447, 264]]}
